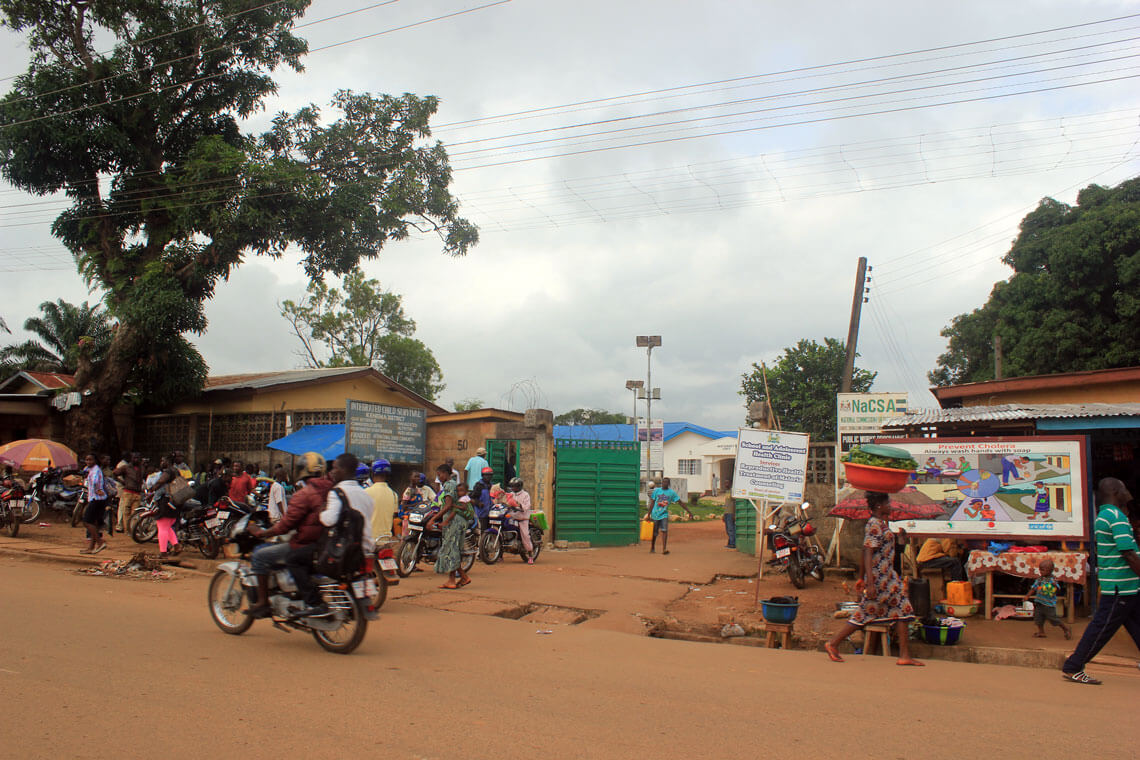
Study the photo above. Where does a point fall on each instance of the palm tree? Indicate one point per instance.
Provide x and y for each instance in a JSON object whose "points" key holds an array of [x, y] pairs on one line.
{"points": [[59, 330]]}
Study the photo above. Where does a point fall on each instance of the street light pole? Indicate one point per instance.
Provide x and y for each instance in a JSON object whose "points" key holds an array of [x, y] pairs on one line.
{"points": [[648, 342], [633, 385]]}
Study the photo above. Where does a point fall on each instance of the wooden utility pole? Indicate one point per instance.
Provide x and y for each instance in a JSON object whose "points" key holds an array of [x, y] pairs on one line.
{"points": [[853, 328], [997, 357]]}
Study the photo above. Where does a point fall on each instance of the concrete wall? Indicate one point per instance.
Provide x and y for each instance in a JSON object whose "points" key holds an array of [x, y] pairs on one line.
{"points": [[327, 394], [683, 446]]}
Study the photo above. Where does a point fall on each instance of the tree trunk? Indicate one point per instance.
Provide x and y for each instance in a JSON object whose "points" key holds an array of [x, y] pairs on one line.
{"points": [[90, 427]]}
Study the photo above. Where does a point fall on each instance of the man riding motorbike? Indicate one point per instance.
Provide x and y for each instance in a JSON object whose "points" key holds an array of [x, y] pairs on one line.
{"points": [[303, 514]]}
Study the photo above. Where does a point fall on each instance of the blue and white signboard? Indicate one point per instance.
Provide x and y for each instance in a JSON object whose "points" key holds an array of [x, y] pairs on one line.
{"points": [[395, 433], [771, 465]]}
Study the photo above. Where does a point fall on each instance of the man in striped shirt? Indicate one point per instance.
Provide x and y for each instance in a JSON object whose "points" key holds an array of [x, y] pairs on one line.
{"points": [[1118, 570]]}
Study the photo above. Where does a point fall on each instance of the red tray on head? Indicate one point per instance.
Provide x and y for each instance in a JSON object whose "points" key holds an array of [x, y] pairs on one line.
{"points": [[869, 478]]}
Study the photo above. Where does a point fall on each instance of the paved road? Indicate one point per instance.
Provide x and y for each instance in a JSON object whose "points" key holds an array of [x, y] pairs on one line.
{"points": [[98, 667]]}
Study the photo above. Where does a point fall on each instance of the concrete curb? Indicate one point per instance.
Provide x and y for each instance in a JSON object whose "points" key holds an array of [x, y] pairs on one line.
{"points": [[39, 555]]}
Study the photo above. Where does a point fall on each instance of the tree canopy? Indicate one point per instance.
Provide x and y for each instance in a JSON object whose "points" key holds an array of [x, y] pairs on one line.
{"points": [[469, 404], [803, 383], [360, 325], [58, 330], [168, 194], [1073, 301], [591, 417]]}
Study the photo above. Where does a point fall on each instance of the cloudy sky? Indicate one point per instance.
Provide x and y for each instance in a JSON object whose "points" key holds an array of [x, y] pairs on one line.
{"points": [[709, 172]]}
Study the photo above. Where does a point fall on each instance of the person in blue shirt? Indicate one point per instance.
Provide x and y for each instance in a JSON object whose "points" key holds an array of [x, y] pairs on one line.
{"points": [[475, 466], [659, 501]]}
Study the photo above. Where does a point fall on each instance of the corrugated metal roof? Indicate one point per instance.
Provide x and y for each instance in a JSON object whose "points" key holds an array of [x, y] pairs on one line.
{"points": [[269, 379], [1012, 412], [619, 432]]}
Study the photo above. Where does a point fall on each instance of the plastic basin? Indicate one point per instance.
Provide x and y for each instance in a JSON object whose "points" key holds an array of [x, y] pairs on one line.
{"points": [[883, 479], [779, 612], [941, 634]]}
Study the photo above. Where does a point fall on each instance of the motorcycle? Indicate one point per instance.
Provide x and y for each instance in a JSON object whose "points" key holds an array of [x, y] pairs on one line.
{"points": [[382, 568], [48, 491], [422, 545], [233, 589], [502, 535], [13, 500], [793, 550], [194, 526]]}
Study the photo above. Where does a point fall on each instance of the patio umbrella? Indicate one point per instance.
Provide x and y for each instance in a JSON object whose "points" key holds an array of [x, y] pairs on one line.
{"points": [[36, 453], [855, 508]]}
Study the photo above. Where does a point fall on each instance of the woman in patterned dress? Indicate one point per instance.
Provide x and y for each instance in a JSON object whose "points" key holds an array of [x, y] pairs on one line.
{"points": [[884, 600]]}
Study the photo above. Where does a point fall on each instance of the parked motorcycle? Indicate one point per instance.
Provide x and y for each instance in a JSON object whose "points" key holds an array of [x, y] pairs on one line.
{"points": [[423, 545], [194, 527], [13, 499], [233, 589], [48, 491], [793, 550], [502, 535]]}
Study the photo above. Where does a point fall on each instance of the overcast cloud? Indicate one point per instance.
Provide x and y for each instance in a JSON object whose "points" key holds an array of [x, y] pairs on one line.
{"points": [[732, 246]]}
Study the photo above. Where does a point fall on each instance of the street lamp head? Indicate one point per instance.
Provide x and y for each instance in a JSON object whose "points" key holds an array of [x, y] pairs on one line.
{"points": [[633, 384], [648, 341]]}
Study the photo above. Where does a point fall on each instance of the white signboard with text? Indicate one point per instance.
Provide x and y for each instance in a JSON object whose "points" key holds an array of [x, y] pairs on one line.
{"points": [[656, 435], [770, 464]]}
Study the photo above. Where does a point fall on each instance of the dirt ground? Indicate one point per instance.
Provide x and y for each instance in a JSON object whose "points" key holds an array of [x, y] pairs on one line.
{"points": [[551, 661]]}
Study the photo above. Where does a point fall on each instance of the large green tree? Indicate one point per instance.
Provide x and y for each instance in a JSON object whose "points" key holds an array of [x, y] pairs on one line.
{"points": [[1073, 301], [590, 417], [58, 330], [168, 194], [360, 325], [802, 385]]}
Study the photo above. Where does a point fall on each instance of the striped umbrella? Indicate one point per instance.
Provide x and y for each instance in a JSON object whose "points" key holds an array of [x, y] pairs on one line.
{"points": [[33, 454]]}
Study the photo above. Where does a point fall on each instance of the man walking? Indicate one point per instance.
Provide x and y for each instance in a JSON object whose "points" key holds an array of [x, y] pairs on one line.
{"points": [[129, 474], [1118, 571], [474, 467]]}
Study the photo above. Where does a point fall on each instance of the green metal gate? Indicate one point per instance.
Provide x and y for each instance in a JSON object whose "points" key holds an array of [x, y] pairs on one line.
{"points": [[745, 527], [596, 491], [497, 449]]}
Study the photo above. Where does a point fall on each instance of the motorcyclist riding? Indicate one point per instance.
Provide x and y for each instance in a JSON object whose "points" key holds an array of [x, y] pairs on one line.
{"points": [[521, 514], [303, 514]]}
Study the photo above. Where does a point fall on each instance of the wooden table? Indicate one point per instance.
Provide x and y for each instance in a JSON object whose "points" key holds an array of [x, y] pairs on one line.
{"points": [[1070, 569]]}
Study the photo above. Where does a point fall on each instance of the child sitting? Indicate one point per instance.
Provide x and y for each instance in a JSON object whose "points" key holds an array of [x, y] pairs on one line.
{"points": [[1043, 593]]}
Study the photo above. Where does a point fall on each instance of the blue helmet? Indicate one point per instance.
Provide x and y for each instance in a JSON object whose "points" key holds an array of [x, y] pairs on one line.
{"points": [[381, 466], [361, 471]]}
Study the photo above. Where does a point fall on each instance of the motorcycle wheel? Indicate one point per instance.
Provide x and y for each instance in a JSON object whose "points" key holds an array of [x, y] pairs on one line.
{"points": [[381, 595], [818, 563], [31, 510], [406, 558], [209, 546], [145, 530], [227, 600], [796, 571], [13, 524], [351, 632], [468, 553], [490, 548], [536, 542], [77, 514]]}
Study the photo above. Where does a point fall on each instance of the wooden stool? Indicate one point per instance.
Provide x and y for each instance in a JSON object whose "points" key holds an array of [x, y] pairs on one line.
{"points": [[884, 632], [783, 630], [937, 583]]}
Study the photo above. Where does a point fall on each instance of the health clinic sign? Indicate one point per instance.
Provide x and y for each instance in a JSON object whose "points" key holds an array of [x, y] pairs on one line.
{"points": [[770, 464]]}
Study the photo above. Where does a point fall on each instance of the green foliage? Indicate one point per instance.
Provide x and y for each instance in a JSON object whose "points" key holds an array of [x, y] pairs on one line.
{"points": [[58, 332], [803, 383], [1071, 303], [591, 417], [167, 193], [362, 325], [469, 405]]}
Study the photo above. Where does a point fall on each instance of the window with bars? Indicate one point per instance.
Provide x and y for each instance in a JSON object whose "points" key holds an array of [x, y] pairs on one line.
{"points": [[326, 417], [821, 463], [158, 436], [688, 467], [239, 432]]}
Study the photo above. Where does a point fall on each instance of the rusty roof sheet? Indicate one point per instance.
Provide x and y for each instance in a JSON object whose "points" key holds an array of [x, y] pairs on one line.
{"points": [[257, 380], [1011, 412]]}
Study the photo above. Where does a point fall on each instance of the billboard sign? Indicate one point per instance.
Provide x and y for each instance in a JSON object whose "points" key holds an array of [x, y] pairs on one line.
{"points": [[396, 433], [770, 464], [1020, 488], [655, 433]]}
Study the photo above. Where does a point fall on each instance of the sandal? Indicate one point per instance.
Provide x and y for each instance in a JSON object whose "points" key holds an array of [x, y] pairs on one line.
{"points": [[832, 654], [1081, 677], [464, 583], [449, 586]]}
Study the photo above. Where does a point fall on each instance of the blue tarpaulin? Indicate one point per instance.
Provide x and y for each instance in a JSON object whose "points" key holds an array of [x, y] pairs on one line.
{"points": [[326, 440]]}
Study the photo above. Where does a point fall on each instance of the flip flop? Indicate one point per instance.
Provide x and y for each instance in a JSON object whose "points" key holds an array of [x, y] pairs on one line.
{"points": [[1041, 636], [448, 585], [832, 654], [911, 663], [464, 583], [1068, 633]]}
